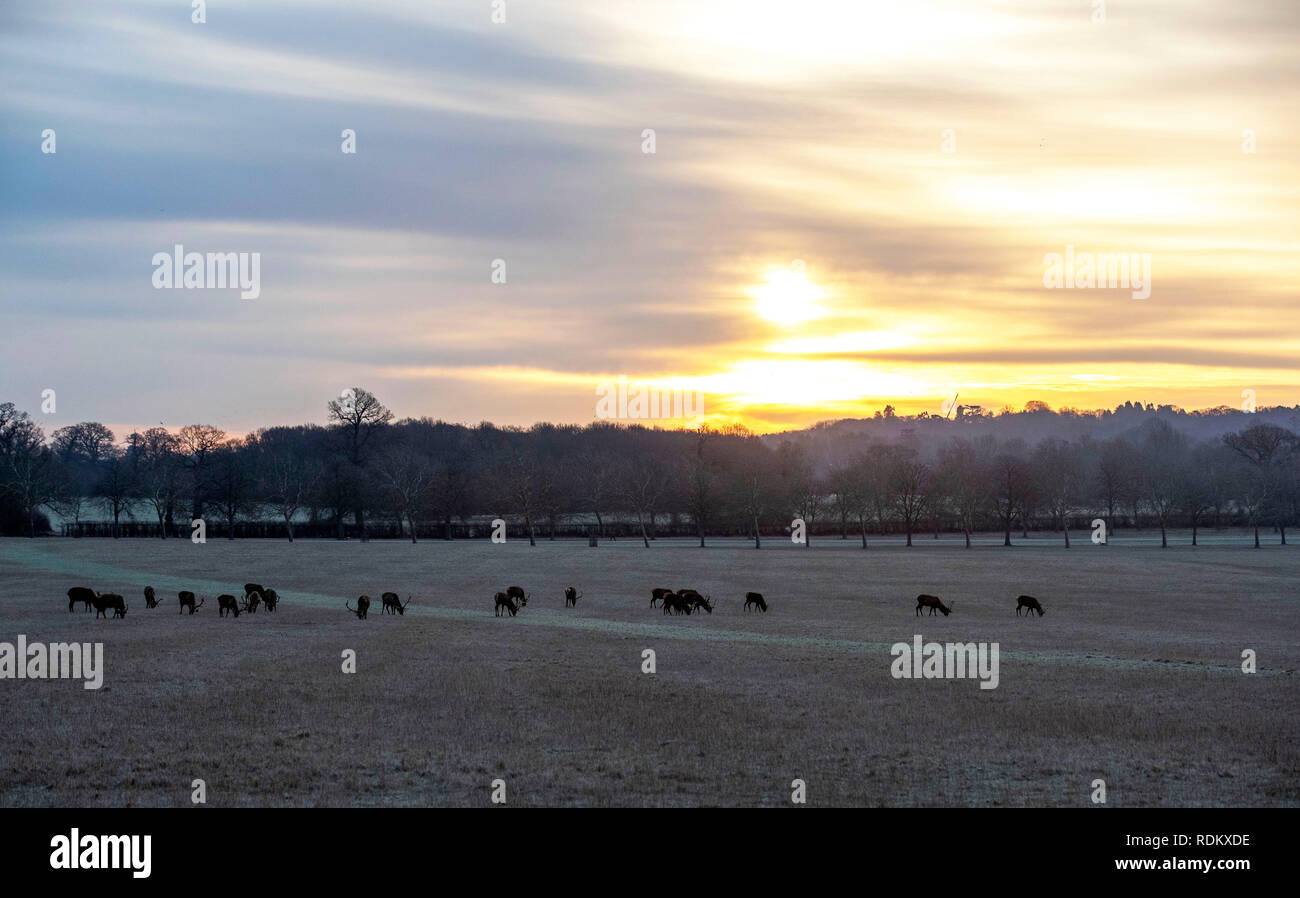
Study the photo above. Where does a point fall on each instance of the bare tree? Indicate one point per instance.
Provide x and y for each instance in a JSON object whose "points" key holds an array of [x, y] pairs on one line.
{"points": [[117, 486], [1057, 481], [969, 479], [198, 443], [358, 416], [159, 467], [699, 479], [910, 482], [407, 477], [233, 483], [1263, 450], [288, 477], [1164, 461], [1011, 486], [644, 481]]}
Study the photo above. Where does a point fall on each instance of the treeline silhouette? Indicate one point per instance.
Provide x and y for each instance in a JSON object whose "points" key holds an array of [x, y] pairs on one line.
{"points": [[364, 475]]}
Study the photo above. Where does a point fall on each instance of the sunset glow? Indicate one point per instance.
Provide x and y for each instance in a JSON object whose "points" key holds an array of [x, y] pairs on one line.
{"points": [[838, 210]]}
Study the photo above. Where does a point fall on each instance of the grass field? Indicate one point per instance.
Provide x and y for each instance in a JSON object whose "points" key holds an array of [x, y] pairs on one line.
{"points": [[1132, 676]]}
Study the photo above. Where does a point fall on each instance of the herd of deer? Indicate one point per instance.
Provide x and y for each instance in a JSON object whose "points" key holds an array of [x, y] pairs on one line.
{"points": [[254, 594], [682, 601], [934, 603]]}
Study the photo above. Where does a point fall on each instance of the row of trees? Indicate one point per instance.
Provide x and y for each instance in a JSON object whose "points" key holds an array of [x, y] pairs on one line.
{"points": [[424, 475]]}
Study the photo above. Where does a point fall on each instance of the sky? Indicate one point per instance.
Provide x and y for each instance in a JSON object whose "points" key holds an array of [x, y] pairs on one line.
{"points": [[848, 205]]}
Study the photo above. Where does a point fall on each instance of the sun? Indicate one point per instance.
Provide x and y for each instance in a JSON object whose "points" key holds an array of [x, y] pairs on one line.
{"points": [[788, 298]]}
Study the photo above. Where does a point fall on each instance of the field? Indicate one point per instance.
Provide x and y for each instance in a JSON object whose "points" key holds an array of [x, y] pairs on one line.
{"points": [[1133, 676]]}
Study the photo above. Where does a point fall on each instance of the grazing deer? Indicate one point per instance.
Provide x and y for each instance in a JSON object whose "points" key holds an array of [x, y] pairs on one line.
{"points": [[187, 601], [150, 598], [697, 601], [571, 597], [506, 601], [270, 599], [227, 604], [106, 600], [933, 603], [81, 594], [363, 607], [251, 601], [657, 595], [1028, 602], [393, 604], [253, 587], [677, 603], [517, 593], [756, 599]]}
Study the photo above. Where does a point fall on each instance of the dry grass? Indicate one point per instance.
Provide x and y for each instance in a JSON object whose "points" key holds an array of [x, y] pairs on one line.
{"points": [[1132, 676]]}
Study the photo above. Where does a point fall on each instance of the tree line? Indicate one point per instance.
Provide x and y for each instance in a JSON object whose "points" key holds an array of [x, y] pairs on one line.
{"points": [[422, 476]]}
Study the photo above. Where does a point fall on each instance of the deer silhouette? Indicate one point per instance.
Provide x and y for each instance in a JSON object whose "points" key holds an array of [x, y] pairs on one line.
{"points": [[506, 601], [934, 603], [1029, 602]]}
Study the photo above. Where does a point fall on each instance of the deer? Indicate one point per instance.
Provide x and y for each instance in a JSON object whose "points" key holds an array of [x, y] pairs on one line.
{"points": [[1029, 602], [187, 601], [933, 603], [517, 593], [698, 601], [82, 594], [270, 599], [756, 599], [571, 597], [251, 601], [253, 587], [227, 604], [506, 601], [393, 603], [657, 595], [363, 606], [150, 598], [106, 600], [677, 603]]}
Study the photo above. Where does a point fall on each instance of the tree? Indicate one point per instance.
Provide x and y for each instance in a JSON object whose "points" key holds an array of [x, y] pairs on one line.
{"points": [[751, 483], [198, 443], [699, 474], [644, 481], [525, 484], [288, 471], [233, 483], [358, 416], [1115, 478], [1011, 486], [1056, 480], [117, 486], [910, 481], [407, 478], [969, 479], [159, 466], [27, 465], [803, 491], [1262, 449], [1164, 461]]}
